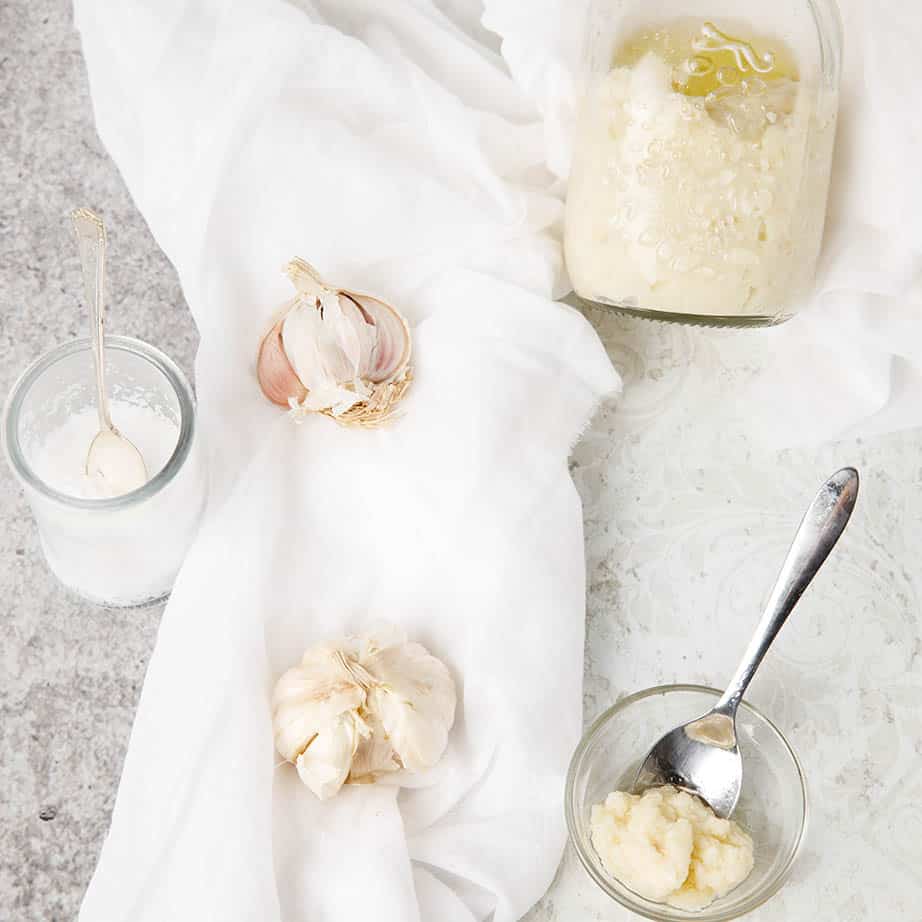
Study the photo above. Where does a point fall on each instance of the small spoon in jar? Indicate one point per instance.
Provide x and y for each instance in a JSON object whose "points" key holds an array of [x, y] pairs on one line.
{"points": [[111, 458], [702, 756]]}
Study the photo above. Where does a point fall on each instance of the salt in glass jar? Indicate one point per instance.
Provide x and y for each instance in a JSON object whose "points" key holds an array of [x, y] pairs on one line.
{"points": [[118, 551]]}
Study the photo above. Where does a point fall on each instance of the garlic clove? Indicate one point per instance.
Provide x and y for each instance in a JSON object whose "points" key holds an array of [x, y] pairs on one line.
{"points": [[415, 700], [375, 755], [325, 763], [277, 378], [392, 346], [321, 343], [311, 697], [323, 348], [340, 328]]}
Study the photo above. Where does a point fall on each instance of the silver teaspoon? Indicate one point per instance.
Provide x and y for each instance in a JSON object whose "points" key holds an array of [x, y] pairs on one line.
{"points": [[702, 756], [111, 458]]}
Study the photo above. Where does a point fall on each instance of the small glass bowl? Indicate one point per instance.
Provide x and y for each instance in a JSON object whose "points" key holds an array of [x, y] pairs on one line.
{"points": [[772, 806]]}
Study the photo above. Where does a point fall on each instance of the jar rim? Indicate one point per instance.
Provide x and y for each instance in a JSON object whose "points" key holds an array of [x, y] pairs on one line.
{"points": [[828, 21], [20, 390]]}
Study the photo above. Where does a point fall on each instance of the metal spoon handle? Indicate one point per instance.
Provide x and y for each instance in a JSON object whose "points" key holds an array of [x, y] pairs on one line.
{"points": [[91, 239], [824, 521]]}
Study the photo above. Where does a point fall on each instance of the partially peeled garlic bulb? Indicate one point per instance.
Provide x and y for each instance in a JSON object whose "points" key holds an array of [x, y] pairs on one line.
{"points": [[361, 708], [336, 352]]}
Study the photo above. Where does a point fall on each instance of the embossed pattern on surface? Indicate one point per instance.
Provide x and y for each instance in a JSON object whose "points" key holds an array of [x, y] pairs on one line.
{"points": [[680, 559]]}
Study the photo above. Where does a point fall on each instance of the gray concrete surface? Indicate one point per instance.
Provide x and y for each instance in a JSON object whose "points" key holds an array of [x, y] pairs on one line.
{"points": [[70, 673]]}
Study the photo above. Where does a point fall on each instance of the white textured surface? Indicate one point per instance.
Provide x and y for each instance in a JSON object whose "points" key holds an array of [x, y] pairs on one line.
{"points": [[680, 558]]}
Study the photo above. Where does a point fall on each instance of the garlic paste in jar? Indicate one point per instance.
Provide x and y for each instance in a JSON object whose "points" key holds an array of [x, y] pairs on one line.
{"points": [[699, 178]]}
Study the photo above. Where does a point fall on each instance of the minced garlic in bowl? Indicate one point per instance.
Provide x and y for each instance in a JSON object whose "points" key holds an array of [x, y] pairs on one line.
{"points": [[772, 806], [668, 846]]}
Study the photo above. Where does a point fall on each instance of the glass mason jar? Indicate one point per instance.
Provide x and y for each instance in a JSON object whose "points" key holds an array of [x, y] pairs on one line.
{"points": [[702, 157], [120, 551]]}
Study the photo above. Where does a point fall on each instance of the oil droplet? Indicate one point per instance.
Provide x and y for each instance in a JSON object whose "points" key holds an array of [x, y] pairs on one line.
{"points": [[698, 66]]}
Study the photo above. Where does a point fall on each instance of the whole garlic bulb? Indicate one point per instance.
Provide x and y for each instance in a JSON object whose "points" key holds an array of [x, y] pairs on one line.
{"points": [[362, 707], [336, 352]]}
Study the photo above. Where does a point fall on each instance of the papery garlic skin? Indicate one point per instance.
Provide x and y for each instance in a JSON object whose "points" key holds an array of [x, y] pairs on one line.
{"points": [[375, 755], [363, 707]]}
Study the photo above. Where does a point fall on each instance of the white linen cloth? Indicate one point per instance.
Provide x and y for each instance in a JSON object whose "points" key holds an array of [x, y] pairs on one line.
{"points": [[387, 143]]}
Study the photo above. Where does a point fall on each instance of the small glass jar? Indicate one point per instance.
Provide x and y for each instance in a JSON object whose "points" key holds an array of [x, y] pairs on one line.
{"points": [[702, 157], [121, 551]]}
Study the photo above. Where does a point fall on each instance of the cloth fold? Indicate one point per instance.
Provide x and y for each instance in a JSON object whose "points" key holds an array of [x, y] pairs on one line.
{"points": [[388, 144]]}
